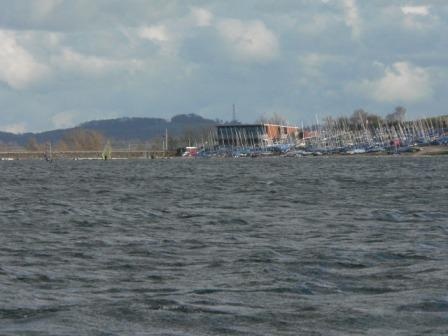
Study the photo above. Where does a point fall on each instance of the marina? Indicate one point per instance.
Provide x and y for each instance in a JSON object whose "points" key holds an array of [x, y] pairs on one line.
{"points": [[419, 137], [332, 137]]}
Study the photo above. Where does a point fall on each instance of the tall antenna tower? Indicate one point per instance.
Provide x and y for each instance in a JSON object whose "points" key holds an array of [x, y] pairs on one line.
{"points": [[233, 113]]}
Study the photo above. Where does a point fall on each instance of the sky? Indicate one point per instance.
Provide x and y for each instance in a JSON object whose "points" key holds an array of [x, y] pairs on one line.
{"points": [[63, 62]]}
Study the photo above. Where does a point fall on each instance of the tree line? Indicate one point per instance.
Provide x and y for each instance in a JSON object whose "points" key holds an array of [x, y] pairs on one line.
{"points": [[78, 139], [81, 139]]}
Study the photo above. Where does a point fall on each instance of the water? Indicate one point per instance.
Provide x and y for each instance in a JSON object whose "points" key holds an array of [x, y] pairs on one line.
{"points": [[307, 246]]}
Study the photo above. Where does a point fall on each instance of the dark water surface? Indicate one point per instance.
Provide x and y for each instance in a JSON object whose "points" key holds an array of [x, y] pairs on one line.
{"points": [[307, 246]]}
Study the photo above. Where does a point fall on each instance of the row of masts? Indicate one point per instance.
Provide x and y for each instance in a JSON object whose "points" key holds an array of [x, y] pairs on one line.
{"points": [[332, 136]]}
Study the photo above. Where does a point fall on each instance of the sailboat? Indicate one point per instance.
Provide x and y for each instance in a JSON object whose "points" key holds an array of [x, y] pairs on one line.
{"points": [[48, 153], [107, 152]]}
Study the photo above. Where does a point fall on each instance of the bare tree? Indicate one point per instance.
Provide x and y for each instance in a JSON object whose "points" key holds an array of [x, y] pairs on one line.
{"points": [[399, 115], [62, 146], [33, 146], [83, 139], [374, 120], [359, 118], [4, 147], [276, 119]]}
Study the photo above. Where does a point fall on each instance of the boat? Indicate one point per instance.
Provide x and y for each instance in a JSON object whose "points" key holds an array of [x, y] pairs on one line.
{"points": [[190, 152], [107, 152]]}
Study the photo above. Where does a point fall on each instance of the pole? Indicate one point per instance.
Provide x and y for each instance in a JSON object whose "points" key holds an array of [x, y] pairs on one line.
{"points": [[166, 140]]}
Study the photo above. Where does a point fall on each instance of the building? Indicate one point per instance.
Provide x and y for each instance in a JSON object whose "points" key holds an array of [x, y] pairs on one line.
{"points": [[253, 135]]}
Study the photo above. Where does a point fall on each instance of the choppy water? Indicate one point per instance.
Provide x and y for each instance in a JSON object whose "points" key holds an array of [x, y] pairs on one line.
{"points": [[311, 246]]}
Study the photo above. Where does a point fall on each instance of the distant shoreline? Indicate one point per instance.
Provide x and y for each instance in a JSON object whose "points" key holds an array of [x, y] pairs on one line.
{"points": [[433, 150]]}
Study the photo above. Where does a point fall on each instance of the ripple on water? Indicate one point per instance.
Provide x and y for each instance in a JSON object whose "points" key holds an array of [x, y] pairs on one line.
{"points": [[314, 246]]}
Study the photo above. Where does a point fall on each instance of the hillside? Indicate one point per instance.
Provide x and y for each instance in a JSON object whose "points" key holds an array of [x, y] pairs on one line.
{"points": [[120, 129]]}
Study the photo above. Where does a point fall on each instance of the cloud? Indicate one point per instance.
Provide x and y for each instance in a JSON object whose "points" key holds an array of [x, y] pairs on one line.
{"points": [[418, 17], [314, 71], [315, 25], [249, 41], [316, 60], [43, 8], [156, 33], [352, 18], [402, 82], [70, 60], [18, 68], [63, 119], [91, 64], [286, 54], [415, 10], [202, 16], [17, 128], [167, 40]]}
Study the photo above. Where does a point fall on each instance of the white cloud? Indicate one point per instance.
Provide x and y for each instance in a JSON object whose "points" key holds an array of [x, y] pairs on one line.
{"points": [[52, 40], [167, 40], [249, 41], [402, 82], [87, 63], [157, 33], [316, 60], [18, 68], [202, 17], [74, 61], [63, 119], [352, 18], [17, 128], [415, 10], [418, 17]]}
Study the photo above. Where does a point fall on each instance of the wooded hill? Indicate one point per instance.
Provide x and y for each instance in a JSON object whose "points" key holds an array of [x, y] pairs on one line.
{"points": [[120, 130]]}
